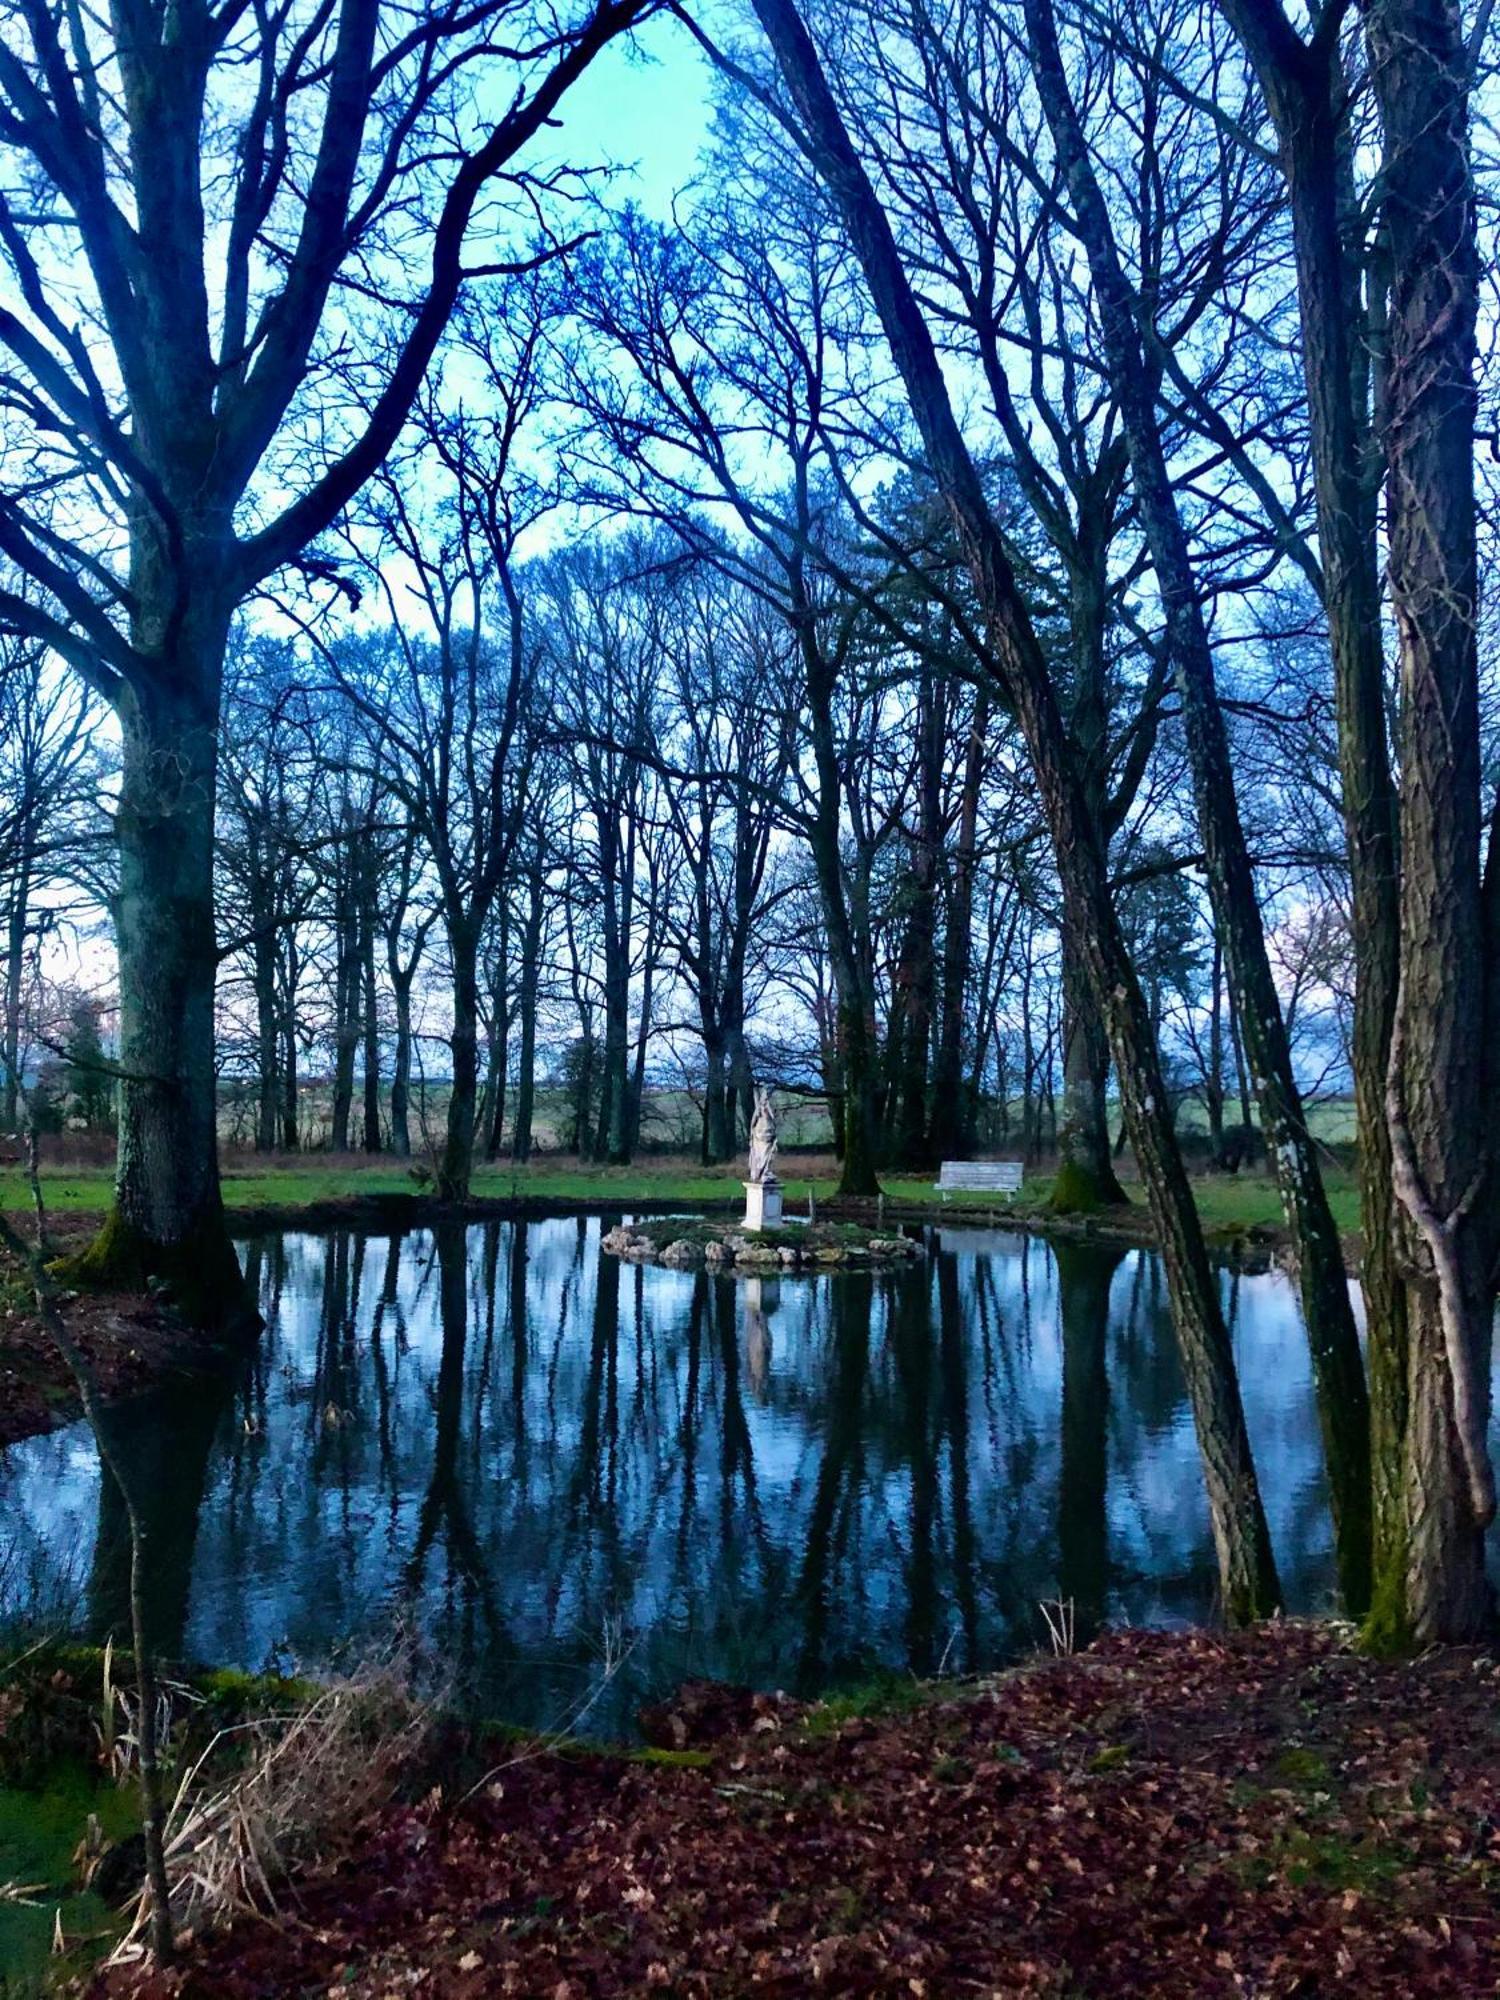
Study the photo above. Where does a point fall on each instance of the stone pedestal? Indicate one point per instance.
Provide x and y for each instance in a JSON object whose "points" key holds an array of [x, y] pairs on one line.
{"points": [[762, 1204]]}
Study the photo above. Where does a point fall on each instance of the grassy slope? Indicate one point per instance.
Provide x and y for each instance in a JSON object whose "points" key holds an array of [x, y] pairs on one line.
{"points": [[1226, 1201]]}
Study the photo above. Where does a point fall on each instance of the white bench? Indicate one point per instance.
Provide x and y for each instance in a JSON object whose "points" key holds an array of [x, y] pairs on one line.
{"points": [[980, 1177]]}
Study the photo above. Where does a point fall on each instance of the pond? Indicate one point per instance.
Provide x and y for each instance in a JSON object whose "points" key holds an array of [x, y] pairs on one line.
{"points": [[575, 1483]]}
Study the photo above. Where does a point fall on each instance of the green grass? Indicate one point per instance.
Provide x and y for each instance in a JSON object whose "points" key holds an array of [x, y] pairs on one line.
{"points": [[1226, 1202], [886, 1695]]}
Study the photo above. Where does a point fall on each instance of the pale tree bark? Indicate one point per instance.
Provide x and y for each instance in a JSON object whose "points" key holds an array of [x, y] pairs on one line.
{"points": [[1439, 1092], [1428, 1342], [1246, 1566]]}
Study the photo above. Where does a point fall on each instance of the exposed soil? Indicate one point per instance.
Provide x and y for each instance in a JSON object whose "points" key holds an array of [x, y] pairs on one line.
{"points": [[1180, 1816], [131, 1343]]}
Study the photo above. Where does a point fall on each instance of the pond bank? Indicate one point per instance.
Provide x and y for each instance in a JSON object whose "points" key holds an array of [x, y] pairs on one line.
{"points": [[132, 1344], [1183, 1816]]}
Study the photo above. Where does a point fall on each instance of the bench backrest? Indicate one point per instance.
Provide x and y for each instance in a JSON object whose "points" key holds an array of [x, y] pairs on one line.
{"points": [[1000, 1176]]}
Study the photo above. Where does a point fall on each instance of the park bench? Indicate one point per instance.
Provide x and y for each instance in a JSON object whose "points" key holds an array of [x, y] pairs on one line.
{"points": [[980, 1177]]}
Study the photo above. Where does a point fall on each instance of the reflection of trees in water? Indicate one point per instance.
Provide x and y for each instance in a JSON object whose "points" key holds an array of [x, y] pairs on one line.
{"points": [[1085, 1277], [955, 1373], [445, 1517], [163, 1447], [538, 1441], [834, 1508]]}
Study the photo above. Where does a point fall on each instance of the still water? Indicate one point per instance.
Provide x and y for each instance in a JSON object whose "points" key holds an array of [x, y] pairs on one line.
{"points": [[574, 1483]]}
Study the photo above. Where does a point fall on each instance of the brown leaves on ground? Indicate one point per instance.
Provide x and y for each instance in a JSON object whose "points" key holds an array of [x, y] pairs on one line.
{"points": [[1167, 1815], [130, 1343]]}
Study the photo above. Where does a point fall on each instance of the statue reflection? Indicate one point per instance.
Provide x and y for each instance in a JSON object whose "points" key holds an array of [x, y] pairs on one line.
{"points": [[759, 1297]]}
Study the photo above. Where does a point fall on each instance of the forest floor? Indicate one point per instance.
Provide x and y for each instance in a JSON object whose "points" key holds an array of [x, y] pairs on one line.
{"points": [[1183, 1816], [133, 1344], [130, 1343]]}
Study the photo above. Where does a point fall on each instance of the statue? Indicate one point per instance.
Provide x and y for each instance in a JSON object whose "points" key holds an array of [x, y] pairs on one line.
{"points": [[762, 1189], [762, 1139]]}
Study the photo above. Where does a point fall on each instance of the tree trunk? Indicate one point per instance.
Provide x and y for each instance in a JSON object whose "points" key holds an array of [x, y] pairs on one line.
{"points": [[457, 1164], [1306, 96], [584, 1133], [369, 1012], [401, 983], [1246, 1566], [642, 1039], [1343, 1402], [1086, 1177], [168, 1216], [716, 1122], [290, 1131], [952, 1100], [614, 1112], [1438, 1108], [913, 998], [496, 1082], [1213, 1082], [855, 1038], [741, 1105], [263, 953], [520, 1137], [345, 997], [17, 928]]}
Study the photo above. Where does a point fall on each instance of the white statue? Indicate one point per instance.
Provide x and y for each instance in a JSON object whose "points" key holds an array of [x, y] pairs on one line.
{"points": [[762, 1139]]}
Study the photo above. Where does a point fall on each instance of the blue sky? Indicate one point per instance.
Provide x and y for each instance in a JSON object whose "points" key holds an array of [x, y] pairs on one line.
{"points": [[644, 104]]}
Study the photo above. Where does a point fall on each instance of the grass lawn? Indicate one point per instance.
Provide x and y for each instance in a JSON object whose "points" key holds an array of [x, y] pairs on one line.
{"points": [[1226, 1201]]}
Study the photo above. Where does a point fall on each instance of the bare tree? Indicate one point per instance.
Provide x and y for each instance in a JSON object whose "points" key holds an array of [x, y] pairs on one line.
{"points": [[222, 187], [1247, 1568]]}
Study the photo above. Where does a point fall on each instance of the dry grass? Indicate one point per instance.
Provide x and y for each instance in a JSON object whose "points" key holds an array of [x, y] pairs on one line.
{"points": [[304, 1784]]}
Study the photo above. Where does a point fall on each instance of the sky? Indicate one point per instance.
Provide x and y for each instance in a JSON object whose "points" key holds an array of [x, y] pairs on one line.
{"points": [[642, 107], [643, 104]]}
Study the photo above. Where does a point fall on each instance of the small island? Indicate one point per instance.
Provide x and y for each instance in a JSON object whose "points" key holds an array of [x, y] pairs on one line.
{"points": [[761, 1241], [794, 1246]]}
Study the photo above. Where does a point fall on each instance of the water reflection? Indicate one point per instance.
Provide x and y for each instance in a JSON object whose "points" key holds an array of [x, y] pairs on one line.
{"points": [[547, 1463]]}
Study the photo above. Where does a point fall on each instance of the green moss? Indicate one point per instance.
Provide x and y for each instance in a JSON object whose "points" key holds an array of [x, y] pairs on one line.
{"points": [[1299, 1766], [234, 1693], [1313, 1858], [888, 1695], [40, 1831], [1114, 1758], [1386, 1633], [1075, 1191], [202, 1272], [681, 1760]]}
